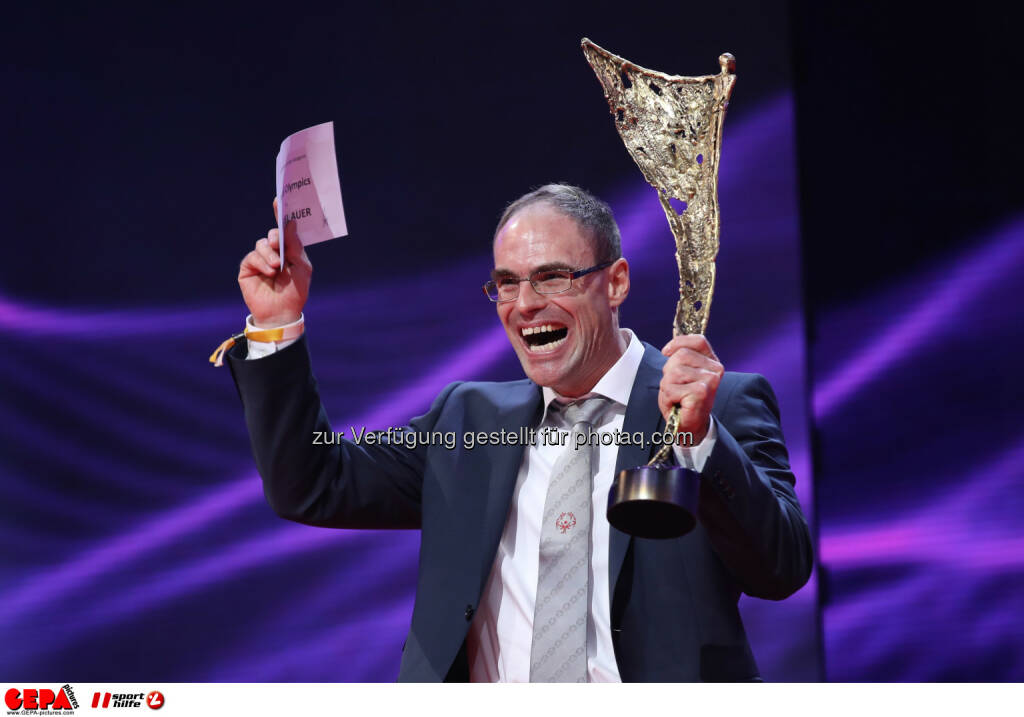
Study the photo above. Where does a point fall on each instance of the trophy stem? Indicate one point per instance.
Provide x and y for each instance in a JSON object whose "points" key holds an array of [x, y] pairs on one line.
{"points": [[661, 457]]}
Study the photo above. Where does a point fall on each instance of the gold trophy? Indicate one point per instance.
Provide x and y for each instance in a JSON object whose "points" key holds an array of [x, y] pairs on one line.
{"points": [[672, 128]]}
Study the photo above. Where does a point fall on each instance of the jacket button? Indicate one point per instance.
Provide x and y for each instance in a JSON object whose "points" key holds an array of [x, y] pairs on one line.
{"points": [[469, 612]]}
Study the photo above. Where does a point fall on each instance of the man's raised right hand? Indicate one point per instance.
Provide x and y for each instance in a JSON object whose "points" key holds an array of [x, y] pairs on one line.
{"points": [[275, 297]]}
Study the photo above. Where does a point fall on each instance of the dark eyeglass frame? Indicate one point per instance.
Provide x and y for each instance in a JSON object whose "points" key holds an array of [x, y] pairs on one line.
{"points": [[572, 275]]}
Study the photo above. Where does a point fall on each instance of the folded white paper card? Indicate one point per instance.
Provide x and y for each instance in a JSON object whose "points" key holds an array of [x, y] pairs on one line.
{"points": [[308, 188]]}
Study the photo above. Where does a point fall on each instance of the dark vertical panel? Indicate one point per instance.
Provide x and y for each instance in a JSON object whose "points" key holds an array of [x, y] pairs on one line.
{"points": [[913, 234]]}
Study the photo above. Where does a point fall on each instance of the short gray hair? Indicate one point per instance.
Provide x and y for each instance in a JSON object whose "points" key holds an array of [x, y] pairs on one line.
{"points": [[593, 216]]}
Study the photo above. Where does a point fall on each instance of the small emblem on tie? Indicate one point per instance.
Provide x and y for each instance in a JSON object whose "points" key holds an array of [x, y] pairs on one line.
{"points": [[565, 521]]}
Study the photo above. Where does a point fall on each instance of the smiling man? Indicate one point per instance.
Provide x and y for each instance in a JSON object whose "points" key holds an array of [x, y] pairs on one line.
{"points": [[521, 576]]}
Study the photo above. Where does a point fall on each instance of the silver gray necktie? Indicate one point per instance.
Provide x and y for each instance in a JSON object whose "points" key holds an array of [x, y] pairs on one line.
{"points": [[559, 651]]}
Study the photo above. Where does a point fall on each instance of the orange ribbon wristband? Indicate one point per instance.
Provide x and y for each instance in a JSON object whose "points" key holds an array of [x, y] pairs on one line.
{"points": [[281, 333]]}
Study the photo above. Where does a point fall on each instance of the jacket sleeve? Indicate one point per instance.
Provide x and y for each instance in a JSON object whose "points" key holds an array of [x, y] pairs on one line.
{"points": [[337, 483], [748, 504]]}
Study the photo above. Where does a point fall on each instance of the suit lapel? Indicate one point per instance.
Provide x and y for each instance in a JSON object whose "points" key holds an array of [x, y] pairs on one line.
{"points": [[644, 417], [521, 409]]}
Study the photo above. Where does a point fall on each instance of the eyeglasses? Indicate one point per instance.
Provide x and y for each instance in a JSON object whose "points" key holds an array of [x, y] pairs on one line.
{"points": [[545, 281]]}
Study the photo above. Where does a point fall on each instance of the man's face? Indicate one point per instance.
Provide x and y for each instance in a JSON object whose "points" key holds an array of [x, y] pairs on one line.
{"points": [[566, 341]]}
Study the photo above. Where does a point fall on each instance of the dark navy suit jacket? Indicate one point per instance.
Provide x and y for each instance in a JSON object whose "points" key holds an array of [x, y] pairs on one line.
{"points": [[674, 613]]}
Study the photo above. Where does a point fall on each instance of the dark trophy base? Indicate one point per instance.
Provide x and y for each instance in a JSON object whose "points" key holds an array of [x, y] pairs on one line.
{"points": [[658, 501]]}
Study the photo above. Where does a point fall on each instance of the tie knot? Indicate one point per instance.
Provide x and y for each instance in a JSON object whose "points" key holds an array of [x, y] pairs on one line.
{"points": [[586, 410]]}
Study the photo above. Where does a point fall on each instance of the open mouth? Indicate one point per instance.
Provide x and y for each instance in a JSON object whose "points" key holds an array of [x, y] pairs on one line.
{"points": [[544, 338]]}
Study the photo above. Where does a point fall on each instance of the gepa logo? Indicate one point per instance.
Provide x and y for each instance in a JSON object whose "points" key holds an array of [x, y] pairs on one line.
{"points": [[44, 699]]}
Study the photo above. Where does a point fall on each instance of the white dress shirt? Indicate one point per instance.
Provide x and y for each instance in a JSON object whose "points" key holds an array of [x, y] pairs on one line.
{"points": [[501, 634]]}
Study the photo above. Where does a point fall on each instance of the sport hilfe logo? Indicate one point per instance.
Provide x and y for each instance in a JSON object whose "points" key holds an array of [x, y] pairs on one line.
{"points": [[36, 699], [106, 700]]}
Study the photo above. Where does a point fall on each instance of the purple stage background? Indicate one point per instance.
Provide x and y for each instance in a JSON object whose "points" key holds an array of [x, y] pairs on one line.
{"points": [[921, 535]]}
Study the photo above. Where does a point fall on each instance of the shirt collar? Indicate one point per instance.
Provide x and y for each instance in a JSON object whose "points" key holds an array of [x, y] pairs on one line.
{"points": [[617, 383]]}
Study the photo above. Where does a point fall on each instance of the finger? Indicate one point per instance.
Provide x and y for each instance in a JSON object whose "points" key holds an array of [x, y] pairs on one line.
{"points": [[689, 357], [664, 404], [690, 401], [264, 249], [689, 374], [294, 253], [689, 405], [694, 342], [254, 264], [689, 395], [276, 219]]}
